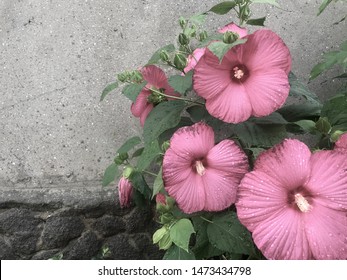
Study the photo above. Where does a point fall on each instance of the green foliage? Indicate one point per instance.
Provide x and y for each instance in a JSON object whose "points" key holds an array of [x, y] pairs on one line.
{"points": [[110, 174], [323, 125], [140, 184], [177, 253], [322, 7], [219, 49], [180, 233], [158, 184], [271, 2], [329, 60], [227, 233], [181, 84], [150, 152], [257, 21], [108, 89], [156, 56], [298, 89], [129, 144], [133, 90], [335, 111], [223, 8]]}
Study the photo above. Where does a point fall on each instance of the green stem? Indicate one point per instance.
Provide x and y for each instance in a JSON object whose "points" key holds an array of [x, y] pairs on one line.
{"points": [[206, 220], [149, 173]]}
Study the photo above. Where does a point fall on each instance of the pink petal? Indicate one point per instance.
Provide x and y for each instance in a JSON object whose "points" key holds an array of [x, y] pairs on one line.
{"points": [[341, 144], [145, 113], [287, 162], [189, 194], [234, 28], [193, 59], [211, 77], [328, 179], [327, 232], [231, 105], [277, 228], [140, 103], [264, 50], [267, 90], [226, 156], [154, 75], [193, 142]]}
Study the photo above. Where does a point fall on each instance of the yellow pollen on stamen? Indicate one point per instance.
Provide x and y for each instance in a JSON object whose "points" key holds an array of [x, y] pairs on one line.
{"points": [[200, 168], [302, 203], [238, 73]]}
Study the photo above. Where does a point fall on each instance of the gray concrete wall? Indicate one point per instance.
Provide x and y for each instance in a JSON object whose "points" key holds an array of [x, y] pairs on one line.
{"points": [[56, 56]]}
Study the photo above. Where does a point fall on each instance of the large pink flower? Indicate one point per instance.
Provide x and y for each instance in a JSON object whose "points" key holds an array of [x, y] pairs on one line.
{"points": [[199, 52], [295, 203], [200, 175], [341, 144], [125, 191], [252, 78], [147, 99]]}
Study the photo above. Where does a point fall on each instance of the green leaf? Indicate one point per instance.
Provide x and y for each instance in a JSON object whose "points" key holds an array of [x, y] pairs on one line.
{"points": [[180, 233], [329, 60], [252, 134], [156, 56], [180, 83], [163, 117], [301, 126], [177, 253], [271, 2], [296, 112], [323, 125], [322, 7], [129, 144], [138, 152], [109, 174], [227, 233], [342, 76], [335, 110], [219, 49], [150, 152], [256, 21], [274, 118], [158, 184], [198, 19], [139, 183], [298, 89], [223, 8], [132, 91], [108, 89], [256, 151]]}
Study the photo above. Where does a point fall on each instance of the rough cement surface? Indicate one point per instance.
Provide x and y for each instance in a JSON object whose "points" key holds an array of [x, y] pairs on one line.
{"points": [[56, 138]]}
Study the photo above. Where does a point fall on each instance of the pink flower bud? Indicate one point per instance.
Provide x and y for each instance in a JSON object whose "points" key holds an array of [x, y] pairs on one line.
{"points": [[125, 190]]}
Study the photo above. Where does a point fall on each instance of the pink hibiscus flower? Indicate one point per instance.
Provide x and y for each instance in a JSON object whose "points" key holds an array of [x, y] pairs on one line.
{"points": [[193, 59], [295, 203], [341, 144], [147, 99], [252, 78], [200, 175], [125, 191]]}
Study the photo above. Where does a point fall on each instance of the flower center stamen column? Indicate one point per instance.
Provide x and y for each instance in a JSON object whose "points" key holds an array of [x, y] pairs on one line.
{"points": [[200, 168], [302, 203]]}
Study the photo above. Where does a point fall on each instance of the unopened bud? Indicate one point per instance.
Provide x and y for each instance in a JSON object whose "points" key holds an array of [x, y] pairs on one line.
{"points": [[165, 145], [120, 158], [180, 61], [127, 172], [336, 135], [203, 35], [122, 77], [183, 39], [164, 56], [183, 22], [137, 76], [230, 37]]}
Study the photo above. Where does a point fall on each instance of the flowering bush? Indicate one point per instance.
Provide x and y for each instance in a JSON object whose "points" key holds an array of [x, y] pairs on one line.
{"points": [[220, 156]]}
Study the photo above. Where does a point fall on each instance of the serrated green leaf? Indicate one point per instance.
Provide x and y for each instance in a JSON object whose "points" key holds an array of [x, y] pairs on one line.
{"points": [[177, 253], [129, 144], [335, 110], [163, 117], [180, 233], [150, 152], [180, 83], [156, 56], [252, 134], [256, 21], [109, 174], [158, 183], [322, 7], [108, 89], [227, 233], [298, 89], [219, 49], [296, 112], [271, 2], [133, 90], [223, 8]]}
